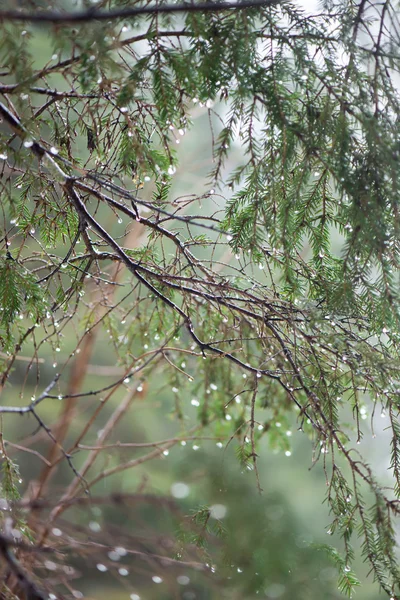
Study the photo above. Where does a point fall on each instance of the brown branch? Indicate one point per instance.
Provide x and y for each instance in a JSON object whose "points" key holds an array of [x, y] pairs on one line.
{"points": [[96, 15]]}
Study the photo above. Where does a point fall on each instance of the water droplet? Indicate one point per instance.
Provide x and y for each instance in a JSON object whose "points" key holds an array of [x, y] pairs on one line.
{"points": [[157, 579], [166, 452], [94, 526], [213, 386], [180, 490], [218, 511], [134, 597], [183, 580], [347, 569], [120, 221], [175, 390], [124, 572], [140, 388], [171, 170], [126, 380], [288, 453], [195, 402], [3, 156]]}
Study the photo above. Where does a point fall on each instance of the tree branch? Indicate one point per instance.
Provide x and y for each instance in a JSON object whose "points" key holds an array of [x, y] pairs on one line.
{"points": [[92, 15]]}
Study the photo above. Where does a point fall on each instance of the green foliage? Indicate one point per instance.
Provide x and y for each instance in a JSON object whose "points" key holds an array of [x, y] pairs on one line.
{"points": [[270, 300]]}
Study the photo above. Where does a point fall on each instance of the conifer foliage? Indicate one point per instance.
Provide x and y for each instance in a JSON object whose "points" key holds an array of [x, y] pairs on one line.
{"points": [[273, 296]]}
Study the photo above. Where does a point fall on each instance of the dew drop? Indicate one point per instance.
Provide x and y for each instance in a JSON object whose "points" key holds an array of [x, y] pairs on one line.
{"points": [[218, 511], [102, 568], [180, 490]]}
